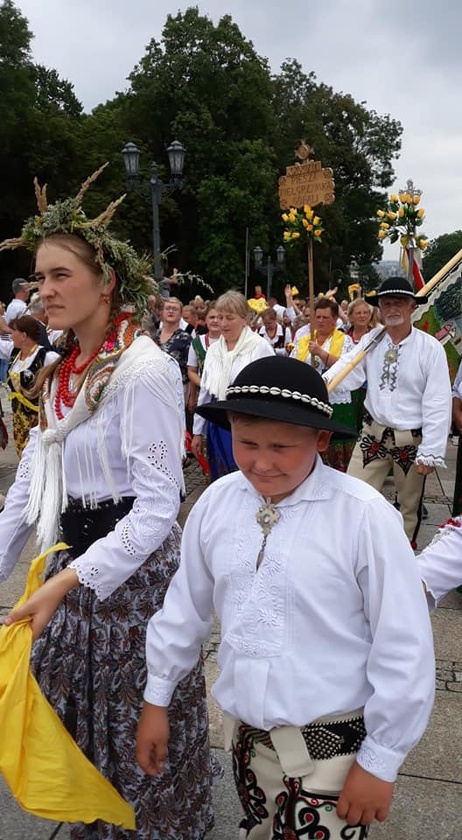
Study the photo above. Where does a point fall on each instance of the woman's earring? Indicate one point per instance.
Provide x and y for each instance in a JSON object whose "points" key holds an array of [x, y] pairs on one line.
{"points": [[106, 298]]}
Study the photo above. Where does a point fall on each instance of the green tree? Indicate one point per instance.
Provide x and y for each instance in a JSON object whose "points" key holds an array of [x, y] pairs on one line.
{"points": [[39, 132], [53, 94], [214, 94], [357, 143], [440, 251]]}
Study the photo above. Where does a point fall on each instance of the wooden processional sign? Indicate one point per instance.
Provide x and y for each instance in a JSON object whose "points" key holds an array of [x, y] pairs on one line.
{"points": [[307, 183]]}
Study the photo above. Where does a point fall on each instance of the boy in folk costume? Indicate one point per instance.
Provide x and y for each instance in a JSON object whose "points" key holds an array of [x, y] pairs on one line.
{"points": [[326, 656]]}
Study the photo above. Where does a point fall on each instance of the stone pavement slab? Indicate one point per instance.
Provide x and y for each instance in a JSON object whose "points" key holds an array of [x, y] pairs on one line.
{"points": [[439, 753]]}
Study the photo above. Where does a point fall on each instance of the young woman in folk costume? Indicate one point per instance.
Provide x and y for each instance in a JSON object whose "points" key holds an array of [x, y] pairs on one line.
{"points": [[103, 471], [26, 358], [199, 347]]}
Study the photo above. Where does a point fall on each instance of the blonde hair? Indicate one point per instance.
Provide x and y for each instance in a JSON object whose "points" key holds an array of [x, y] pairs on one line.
{"points": [[357, 302], [173, 300], [234, 302]]}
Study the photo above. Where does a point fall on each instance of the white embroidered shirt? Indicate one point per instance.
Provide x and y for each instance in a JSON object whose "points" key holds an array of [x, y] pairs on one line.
{"points": [[334, 619]]}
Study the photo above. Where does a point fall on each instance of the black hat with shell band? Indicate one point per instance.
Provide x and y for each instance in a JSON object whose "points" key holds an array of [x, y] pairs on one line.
{"points": [[394, 287]]}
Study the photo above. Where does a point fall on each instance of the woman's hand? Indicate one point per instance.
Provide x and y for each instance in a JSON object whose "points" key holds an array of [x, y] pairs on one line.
{"points": [[42, 604], [197, 446], [152, 739]]}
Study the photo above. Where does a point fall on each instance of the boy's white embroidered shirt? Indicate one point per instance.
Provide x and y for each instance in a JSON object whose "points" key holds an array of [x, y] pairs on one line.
{"points": [[334, 619]]}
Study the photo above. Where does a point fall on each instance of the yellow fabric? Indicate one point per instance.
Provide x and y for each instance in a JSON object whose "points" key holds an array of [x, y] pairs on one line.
{"points": [[355, 287], [336, 345], [16, 395], [44, 768], [258, 304]]}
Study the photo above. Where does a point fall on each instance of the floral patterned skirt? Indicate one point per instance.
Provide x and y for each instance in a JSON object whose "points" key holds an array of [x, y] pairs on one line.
{"points": [[90, 664], [23, 421]]}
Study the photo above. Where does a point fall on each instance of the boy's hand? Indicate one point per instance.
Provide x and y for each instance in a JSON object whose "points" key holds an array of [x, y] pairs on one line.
{"points": [[152, 739], [364, 797]]}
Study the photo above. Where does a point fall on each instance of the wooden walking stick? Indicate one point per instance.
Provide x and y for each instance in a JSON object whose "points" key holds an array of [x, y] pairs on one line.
{"points": [[311, 294]]}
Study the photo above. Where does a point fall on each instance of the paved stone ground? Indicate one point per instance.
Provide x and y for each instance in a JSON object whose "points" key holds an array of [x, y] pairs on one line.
{"points": [[428, 798]]}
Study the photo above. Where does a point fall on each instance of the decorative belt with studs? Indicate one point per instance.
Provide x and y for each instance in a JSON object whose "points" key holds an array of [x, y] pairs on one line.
{"points": [[323, 740]]}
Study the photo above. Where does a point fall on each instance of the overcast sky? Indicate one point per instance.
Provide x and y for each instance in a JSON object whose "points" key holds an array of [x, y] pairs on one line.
{"points": [[401, 57]]}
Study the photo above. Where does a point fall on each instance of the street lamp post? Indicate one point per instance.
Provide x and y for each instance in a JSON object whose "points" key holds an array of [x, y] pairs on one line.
{"points": [[269, 268], [156, 188]]}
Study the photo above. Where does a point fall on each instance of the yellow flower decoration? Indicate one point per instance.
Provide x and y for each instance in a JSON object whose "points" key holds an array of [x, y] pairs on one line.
{"points": [[302, 224], [401, 218]]}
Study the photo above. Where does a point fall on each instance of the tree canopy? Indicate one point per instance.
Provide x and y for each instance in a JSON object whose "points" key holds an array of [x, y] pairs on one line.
{"points": [[205, 85], [440, 251]]}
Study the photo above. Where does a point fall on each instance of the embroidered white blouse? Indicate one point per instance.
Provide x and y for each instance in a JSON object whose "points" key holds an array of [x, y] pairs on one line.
{"points": [[334, 619], [409, 390], [440, 563], [130, 446]]}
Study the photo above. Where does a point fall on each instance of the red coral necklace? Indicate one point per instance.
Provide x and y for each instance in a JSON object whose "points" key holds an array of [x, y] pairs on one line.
{"points": [[69, 368]]}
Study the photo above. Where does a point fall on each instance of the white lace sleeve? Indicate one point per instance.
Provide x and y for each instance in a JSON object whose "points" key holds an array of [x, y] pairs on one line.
{"points": [[14, 530], [154, 442]]}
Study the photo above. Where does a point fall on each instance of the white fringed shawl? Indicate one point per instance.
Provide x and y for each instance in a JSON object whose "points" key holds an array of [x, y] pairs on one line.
{"points": [[219, 361], [48, 495]]}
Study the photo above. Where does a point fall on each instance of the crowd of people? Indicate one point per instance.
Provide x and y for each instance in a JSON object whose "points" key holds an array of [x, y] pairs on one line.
{"points": [[292, 541]]}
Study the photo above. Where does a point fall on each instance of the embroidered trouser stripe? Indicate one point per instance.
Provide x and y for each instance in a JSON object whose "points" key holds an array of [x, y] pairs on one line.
{"points": [[372, 460], [277, 806]]}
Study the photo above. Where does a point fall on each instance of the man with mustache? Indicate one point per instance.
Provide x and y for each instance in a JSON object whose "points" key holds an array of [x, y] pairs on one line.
{"points": [[408, 402]]}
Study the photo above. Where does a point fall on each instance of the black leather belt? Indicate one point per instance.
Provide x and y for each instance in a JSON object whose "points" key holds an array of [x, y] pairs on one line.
{"points": [[81, 526]]}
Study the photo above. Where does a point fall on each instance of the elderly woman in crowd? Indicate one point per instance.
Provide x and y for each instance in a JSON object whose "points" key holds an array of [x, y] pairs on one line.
{"points": [[236, 348], [172, 339]]}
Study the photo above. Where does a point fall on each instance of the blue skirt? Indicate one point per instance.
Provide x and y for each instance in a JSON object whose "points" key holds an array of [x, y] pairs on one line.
{"points": [[219, 452]]}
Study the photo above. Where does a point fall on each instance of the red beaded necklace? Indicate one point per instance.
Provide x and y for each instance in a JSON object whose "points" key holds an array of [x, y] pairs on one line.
{"points": [[67, 369]]}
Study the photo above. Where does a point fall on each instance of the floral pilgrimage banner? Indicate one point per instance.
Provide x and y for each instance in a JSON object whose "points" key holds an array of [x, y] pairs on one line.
{"points": [[442, 316]]}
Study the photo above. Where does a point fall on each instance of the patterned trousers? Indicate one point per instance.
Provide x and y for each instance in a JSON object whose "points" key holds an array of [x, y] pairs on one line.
{"points": [[379, 449], [279, 806]]}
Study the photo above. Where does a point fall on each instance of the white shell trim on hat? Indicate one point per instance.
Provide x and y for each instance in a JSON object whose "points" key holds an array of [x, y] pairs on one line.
{"points": [[396, 292], [273, 391]]}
